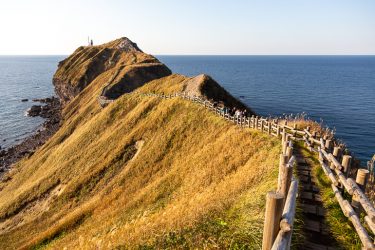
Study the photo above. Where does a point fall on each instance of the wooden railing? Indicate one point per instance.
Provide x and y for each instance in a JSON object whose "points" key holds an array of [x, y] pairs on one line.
{"points": [[336, 166], [281, 204]]}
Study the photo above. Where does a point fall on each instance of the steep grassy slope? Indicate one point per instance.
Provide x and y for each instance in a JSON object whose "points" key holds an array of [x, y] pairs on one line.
{"points": [[128, 65], [141, 172]]}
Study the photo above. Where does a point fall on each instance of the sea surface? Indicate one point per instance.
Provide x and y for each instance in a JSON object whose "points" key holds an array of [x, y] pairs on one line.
{"points": [[339, 90], [23, 77]]}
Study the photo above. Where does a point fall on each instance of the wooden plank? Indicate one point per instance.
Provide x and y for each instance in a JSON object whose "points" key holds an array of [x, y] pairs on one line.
{"points": [[286, 225], [349, 212], [343, 181], [329, 173], [334, 161], [363, 200]]}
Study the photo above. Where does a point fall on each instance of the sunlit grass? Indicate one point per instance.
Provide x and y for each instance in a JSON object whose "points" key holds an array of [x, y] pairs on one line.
{"points": [[198, 181]]}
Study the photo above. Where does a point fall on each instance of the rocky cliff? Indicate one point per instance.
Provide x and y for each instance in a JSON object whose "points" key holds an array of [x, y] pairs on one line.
{"points": [[127, 64]]}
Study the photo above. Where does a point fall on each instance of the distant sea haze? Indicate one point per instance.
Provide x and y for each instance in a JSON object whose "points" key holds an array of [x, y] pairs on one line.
{"points": [[338, 89]]}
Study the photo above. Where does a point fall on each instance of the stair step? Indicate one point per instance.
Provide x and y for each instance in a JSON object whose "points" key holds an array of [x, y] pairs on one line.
{"points": [[315, 246], [304, 178], [304, 172], [310, 187], [313, 209], [303, 167], [300, 159], [307, 195], [312, 225]]}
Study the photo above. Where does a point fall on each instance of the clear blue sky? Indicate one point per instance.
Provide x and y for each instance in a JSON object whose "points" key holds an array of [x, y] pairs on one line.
{"points": [[191, 26]]}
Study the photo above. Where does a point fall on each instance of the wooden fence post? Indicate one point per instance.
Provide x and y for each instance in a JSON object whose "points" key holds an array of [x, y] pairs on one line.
{"points": [[335, 153], [283, 160], [285, 175], [346, 162], [361, 180], [328, 145], [289, 152], [256, 122], [294, 129], [269, 126], [274, 209]]}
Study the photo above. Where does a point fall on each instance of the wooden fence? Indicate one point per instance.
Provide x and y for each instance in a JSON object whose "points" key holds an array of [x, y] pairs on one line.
{"points": [[281, 204], [336, 166]]}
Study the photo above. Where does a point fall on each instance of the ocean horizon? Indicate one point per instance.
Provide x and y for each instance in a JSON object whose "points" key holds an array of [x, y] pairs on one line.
{"points": [[337, 89]]}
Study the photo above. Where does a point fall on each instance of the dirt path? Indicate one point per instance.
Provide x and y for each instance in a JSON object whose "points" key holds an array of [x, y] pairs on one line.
{"points": [[315, 228]]}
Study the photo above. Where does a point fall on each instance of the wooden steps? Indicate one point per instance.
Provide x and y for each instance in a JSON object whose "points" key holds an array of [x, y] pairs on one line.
{"points": [[316, 232]]}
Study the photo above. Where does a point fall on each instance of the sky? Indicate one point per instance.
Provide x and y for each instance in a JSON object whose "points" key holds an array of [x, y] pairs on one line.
{"points": [[191, 27]]}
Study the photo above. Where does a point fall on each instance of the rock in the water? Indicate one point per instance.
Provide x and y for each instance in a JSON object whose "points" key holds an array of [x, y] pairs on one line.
{"points": [[24, 100], [34, 110], [45, 100]]}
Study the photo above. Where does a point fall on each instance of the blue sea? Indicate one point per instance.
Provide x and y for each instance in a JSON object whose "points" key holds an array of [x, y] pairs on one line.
{"points": [[23, 77], [340, 90]]}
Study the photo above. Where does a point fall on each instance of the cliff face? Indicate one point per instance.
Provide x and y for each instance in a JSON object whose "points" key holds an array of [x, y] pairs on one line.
{"points": [[127, 64]]}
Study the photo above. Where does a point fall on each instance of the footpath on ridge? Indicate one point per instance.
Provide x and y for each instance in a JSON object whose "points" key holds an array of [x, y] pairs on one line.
{"points": [[315, 229]]}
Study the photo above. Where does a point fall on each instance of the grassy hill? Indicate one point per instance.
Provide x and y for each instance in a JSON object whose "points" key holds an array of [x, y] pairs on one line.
{"points": [[141, 173]]}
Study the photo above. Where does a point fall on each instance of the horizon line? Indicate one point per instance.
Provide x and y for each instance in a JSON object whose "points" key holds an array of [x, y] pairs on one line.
{"points": [[4, 55]]}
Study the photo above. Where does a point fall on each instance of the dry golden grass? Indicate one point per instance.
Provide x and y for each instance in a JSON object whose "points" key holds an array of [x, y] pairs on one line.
{"points": [[197, 182]]}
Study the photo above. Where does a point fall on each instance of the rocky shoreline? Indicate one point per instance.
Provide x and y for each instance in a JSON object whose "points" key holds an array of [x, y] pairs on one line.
{"points": [[51, 111]]}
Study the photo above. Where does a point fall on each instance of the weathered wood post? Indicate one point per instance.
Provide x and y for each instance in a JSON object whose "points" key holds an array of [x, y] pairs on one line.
{"points": [[312, 141], [285, 175], [321, 158], [346, 162], [252, 121], [274, 209], [295, 130], [278, 130], [256, 122], [361, 180], [322, 144], [269, 126], [336, 153], [328, 145], [283, 161], [285, 143], [261, 125], [289, 152]]}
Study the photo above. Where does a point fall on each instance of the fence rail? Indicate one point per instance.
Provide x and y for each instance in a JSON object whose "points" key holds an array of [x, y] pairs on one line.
{"points": [[281, 204], [338, 172]]}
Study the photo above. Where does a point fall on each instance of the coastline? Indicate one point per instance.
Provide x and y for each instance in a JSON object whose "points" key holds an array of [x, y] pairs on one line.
{"points": [[52, 113]]}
